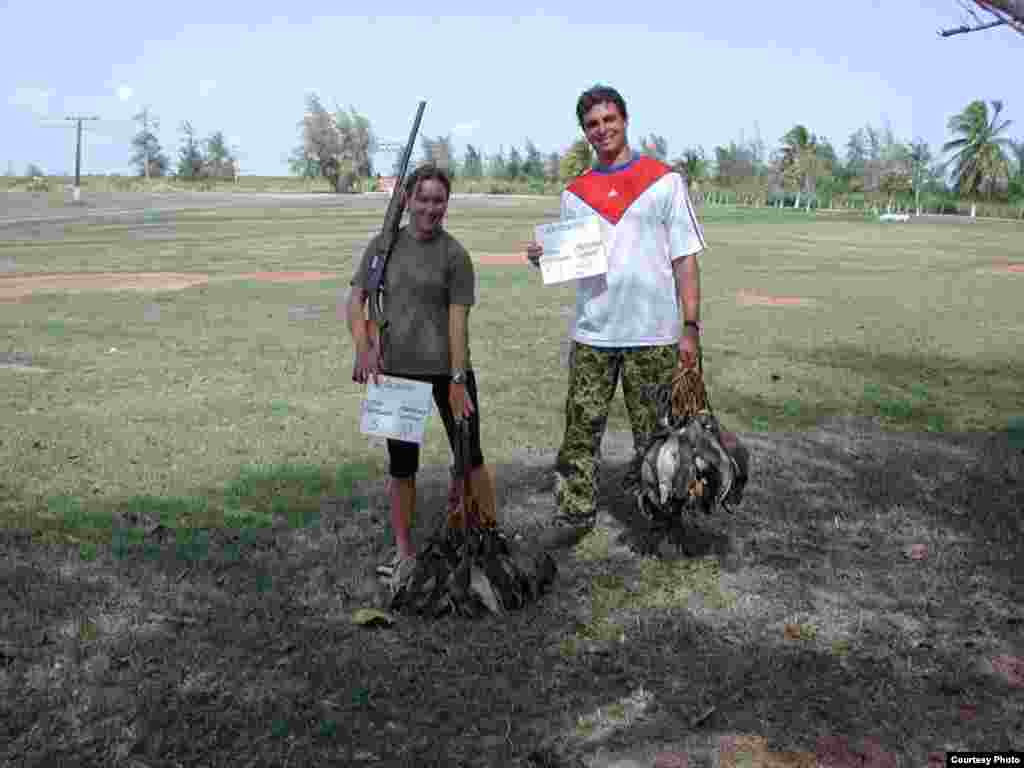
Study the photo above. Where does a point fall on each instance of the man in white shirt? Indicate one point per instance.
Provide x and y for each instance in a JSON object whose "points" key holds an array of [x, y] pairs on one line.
{"points": [[637, 321]]}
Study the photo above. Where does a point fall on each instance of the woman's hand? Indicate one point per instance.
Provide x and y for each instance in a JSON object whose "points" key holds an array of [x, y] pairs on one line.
{"points": [[533, 252], [459, 400], [368, 363]]}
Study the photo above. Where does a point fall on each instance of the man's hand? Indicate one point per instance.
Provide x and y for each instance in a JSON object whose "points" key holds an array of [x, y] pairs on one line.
{"points": [[533, 253], [458, 399], [368, 363], [689, 343]]}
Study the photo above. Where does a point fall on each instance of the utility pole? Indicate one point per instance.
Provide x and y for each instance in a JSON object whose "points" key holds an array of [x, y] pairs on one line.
{"points": [[78, 155]]}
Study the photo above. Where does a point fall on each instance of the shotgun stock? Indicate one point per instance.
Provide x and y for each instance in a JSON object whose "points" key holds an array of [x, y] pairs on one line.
{"points": [[376, 322]]}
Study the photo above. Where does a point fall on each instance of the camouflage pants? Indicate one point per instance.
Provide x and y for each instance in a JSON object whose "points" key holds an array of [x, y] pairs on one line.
{"points": [[594, 374]]}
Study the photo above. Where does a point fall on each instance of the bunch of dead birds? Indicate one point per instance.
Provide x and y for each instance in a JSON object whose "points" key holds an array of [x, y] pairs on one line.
{"points": [[690, 465], [473, 571]]}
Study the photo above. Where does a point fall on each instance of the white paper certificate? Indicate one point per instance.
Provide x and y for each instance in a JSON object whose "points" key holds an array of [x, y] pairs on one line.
{"points": [[572, 249], [396, 408]]}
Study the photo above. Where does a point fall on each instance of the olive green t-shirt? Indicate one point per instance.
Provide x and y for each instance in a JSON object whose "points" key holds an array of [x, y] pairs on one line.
{"points": [[421, 280]]}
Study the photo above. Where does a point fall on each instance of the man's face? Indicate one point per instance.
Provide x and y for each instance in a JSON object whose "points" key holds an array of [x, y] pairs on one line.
{"points": [[427, 206], [605, 129]]}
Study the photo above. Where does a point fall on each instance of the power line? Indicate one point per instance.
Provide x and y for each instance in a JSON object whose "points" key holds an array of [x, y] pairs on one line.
{"points": [[78, 152]]}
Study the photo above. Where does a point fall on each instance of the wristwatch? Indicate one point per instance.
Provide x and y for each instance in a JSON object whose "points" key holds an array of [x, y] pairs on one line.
{"points": [[693, 324], [458, 376]]}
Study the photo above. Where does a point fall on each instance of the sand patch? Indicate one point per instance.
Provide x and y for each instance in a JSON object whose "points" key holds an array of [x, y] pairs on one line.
{"points": [[500, 259], [281, 277], [750, 298], [14, 287]]}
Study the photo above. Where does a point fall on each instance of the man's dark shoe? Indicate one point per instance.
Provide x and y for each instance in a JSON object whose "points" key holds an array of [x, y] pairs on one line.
{"points": [[564, 533]]}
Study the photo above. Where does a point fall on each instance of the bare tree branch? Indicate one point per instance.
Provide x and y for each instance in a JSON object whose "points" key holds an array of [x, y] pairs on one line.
{"points": [[967, 9], [1006, 12], [965, 28]]}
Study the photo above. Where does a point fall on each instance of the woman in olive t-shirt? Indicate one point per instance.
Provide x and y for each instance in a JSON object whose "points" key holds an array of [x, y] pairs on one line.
{"points": [[430, 288]]}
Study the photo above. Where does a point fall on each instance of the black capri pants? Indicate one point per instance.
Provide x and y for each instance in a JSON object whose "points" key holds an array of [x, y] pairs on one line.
{"points": [[405, 457]]}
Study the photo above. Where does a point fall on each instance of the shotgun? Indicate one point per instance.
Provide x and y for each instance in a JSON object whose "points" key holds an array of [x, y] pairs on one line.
{"points": [[376, 323]]}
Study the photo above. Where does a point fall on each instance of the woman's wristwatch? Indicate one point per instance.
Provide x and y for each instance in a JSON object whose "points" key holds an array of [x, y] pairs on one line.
{"points": [[458, 376]]}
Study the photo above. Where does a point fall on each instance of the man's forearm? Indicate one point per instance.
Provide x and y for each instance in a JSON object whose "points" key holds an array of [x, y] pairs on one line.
{"points": [[687, 277], [457, 321]]}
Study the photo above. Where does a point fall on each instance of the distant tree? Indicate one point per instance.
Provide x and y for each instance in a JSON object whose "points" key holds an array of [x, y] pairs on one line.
{"points": [[920, 161], [533, 163], [734, 164], [472, 165], [655, 146], [358, 142], [1017, 150], [219, 162], [300, 164], [802, 162], [148, 157], [514, 164], [496, 164], [979, 157], [828, 152], [190, 158], [577, 159], [321, 142], [856, 154], [32, 170], [439, 152], [693, 165], [551, 163]]}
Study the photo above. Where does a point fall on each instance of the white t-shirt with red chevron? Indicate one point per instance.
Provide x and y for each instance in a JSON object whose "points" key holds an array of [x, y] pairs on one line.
{"points": [[647, 222]]}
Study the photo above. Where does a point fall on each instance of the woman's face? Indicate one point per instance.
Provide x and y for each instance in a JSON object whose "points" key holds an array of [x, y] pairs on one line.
{"points": [[427, 207]]}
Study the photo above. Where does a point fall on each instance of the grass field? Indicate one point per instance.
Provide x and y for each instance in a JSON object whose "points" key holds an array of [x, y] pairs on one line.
{"points": [[220, 417]]}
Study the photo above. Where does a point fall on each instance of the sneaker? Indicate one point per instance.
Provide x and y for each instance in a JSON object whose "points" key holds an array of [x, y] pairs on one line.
{"points": [[565, 533]]}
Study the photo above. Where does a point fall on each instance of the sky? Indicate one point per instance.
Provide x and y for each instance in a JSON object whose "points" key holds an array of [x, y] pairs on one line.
{"points": [[697, 74]]}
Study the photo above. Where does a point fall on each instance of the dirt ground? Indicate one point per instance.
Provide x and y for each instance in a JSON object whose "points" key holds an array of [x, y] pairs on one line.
{"points": [[874, 614]]}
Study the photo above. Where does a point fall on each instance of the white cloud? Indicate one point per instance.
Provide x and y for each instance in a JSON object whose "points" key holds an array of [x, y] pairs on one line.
{"points": [[36, 100], [124, 92], [466, 129], [206, 87]]}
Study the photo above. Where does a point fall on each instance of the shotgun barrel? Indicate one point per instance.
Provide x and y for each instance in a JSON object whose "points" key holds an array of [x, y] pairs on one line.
{"points": [[376, 323]]}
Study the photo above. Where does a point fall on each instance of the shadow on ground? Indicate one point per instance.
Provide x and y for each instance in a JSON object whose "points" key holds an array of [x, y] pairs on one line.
{"points": [[241, 650]]}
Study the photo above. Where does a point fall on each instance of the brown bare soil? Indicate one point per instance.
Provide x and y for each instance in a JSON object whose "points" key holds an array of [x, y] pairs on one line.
{"points": [[14, 287], [500, 259], [751, 298]]}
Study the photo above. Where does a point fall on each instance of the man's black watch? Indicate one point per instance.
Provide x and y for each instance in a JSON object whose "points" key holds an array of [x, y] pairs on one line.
{"points": [[458, 376]]}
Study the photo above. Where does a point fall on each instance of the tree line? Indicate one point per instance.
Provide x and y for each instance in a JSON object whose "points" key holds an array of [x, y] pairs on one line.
{"points": [[980, 161], [209, 158]]}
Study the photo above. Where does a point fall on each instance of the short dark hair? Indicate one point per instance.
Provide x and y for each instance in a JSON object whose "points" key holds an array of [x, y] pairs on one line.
{"points": [[599, 94], [426, 172]]}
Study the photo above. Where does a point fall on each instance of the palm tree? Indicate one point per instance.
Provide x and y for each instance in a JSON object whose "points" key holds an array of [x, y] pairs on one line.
{"points": [[803, 158], [693, 166], [979, 160], [1017, 147]]}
